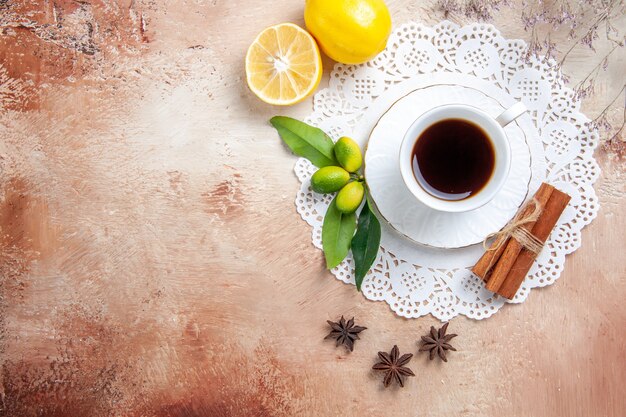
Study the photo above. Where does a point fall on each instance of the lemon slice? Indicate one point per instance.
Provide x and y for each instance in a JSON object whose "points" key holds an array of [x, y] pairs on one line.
{"points": [[283, 65]]}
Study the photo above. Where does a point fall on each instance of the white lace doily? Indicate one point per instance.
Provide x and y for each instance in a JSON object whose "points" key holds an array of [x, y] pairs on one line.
{"points": [[416, 280]]}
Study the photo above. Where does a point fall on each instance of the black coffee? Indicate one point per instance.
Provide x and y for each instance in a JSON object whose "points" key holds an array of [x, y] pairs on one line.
{"points": [[453, 159]]}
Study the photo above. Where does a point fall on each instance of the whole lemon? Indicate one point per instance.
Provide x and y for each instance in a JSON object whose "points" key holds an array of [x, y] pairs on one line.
{"points": [[349, 31], [348, 154], [329, 179], [349, 197]]}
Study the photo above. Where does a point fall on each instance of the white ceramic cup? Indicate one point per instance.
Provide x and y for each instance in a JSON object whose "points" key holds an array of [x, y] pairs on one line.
{"points": [[493, 127]]}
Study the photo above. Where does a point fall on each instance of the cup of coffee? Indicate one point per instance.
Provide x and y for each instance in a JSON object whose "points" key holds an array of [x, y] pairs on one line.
{"points": [[456, 157]]}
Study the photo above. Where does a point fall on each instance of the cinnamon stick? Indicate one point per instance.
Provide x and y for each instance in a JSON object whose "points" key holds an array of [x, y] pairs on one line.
{"points": [[541, 230], [513, 247], [488, 261]]}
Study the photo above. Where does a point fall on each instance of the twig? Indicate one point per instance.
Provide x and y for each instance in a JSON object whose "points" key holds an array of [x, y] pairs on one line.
{"points": [[594, 72], [606, 109], [591, 29]]}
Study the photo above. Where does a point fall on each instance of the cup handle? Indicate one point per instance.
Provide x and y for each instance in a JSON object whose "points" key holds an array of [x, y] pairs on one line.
{"points": [[511, 114]]}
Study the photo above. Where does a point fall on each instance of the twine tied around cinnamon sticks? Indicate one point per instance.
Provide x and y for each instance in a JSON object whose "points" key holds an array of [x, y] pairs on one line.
{"points": [[515, 230], [505, 264]]}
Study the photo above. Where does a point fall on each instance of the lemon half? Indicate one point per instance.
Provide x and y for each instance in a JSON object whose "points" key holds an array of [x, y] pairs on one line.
{"points": [[283, 65]]}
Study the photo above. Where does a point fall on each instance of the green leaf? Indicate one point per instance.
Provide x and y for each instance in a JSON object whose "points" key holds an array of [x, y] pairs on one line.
{"points": [[365, 243], [337, 232], [305, 140]]}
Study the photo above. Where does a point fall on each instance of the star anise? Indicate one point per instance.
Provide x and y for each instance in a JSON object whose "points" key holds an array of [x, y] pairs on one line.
{"points": [[393, 366], [344, 332], [438, 342]]}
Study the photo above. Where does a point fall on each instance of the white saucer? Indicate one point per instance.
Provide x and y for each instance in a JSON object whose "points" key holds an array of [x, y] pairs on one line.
{"points": [[403, 211]]}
